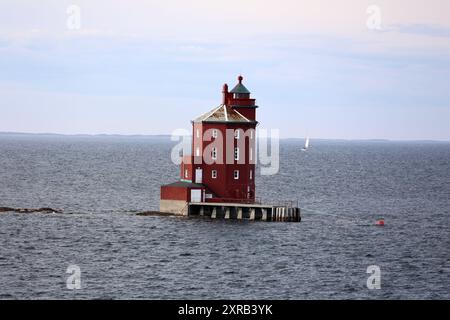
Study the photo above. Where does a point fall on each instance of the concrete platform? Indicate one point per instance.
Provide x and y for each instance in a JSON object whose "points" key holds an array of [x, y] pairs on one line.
{"points": [[241, 211]]}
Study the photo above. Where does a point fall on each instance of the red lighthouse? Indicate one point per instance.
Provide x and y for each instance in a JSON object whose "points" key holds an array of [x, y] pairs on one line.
{"points": [[218, 176], [221, 166]]}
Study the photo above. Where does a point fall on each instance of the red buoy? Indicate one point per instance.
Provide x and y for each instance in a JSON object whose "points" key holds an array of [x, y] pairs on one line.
{"points": [[380, 223]]}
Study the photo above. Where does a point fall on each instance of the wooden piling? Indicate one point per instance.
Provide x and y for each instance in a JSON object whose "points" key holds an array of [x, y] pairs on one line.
{"points": [[264, 214], [252, 214], [227, 213], [239, 213]]}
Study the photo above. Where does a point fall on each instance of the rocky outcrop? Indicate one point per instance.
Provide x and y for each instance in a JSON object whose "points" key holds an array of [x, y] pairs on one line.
{"points": [[153, 214], [29, 210]]}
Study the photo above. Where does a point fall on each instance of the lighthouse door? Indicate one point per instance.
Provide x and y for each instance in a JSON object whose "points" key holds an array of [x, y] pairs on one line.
{"points": [[196, 196], [198, 176]]}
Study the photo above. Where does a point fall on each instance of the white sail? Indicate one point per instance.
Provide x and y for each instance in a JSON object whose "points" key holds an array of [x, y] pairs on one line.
{"points": [[307, 143]]}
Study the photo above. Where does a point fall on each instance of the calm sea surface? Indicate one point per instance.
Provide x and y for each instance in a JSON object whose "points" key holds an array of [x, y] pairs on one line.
{"points": [[342, 188]]}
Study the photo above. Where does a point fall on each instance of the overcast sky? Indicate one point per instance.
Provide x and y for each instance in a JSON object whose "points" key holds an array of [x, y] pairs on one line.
{"points": [[328, 69]]}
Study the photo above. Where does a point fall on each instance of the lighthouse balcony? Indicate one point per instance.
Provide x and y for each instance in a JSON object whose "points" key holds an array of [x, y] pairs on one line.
{"points": [[242, 103]]}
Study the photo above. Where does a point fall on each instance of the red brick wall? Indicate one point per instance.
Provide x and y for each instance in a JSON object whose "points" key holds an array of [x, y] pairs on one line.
{"points": [[225, 186]]}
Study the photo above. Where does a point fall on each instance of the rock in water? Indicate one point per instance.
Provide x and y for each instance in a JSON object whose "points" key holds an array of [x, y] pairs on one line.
{"points": [[28, 210], [153, 214]]}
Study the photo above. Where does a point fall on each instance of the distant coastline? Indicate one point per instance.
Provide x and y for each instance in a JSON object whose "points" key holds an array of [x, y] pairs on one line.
{"points": [[167, 137], [83, 135]]}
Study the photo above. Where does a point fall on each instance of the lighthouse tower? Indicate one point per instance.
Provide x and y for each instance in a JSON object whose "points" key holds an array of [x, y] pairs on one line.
{"points": [[221, 166], [223, 147]]}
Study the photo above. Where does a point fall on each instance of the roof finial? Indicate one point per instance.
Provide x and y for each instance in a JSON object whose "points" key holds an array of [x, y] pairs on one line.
{"points": [[240, 78]]}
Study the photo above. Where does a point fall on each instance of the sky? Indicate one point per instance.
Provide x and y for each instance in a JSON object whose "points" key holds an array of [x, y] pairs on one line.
{"points": [[349, 69]]}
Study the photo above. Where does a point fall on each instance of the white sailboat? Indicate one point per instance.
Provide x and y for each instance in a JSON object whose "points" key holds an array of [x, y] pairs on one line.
{"points": [[306, 147]]}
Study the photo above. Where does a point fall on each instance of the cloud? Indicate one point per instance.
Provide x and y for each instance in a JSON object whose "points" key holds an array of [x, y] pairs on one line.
{"points": [[295, 55]]}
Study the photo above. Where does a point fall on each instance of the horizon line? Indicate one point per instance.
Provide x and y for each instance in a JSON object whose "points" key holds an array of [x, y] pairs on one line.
{"points": [[93, 135]]}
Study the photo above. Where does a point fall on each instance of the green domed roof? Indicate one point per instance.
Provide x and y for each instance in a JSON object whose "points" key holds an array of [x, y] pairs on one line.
{"points": [[240, 88]]}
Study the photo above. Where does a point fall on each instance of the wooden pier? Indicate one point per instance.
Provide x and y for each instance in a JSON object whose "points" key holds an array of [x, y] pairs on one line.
{"points": [[239, 211]]}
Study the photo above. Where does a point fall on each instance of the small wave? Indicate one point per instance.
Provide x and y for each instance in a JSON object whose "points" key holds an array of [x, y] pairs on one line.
{"points": [[187, 254]]}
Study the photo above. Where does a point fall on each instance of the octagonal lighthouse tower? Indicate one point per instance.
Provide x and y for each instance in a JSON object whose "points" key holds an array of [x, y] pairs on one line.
{"points": [[218, 177]]}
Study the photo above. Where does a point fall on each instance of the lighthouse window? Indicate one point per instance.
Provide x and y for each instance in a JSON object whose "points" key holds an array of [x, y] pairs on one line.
{"points": [[236, 153], [197, 152], [251, 174], [186, 174], [198, 133], [236, 174], [237, 134], [214, 133], [214, 174], [214, 153]]}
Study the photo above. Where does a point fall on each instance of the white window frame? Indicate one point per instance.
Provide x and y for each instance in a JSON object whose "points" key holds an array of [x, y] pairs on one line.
{"points": [[198, 133], [214, 153], [214, 174], [197, 152], [251, 154], [236, 153], [237, 134], [236, 175], [186, 173], [214, 133], [251, 174], [251, 134]]}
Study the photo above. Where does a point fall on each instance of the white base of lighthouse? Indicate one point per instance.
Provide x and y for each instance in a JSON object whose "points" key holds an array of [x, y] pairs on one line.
{"points": [[176, 207]]}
